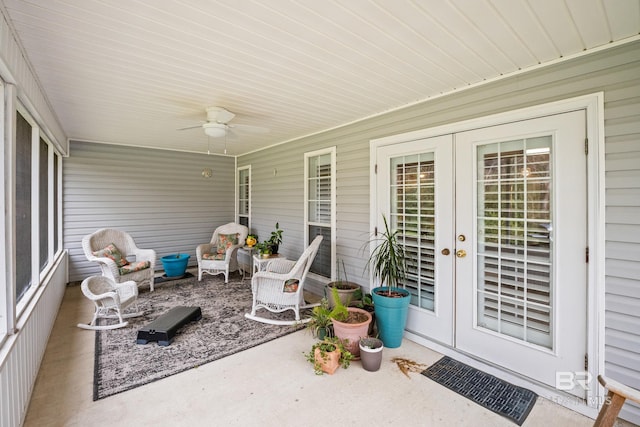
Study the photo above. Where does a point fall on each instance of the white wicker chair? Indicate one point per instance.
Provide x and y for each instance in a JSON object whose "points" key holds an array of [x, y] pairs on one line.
{"points": [[100, 239], [280, 288], [216, 259], [111, 300]]}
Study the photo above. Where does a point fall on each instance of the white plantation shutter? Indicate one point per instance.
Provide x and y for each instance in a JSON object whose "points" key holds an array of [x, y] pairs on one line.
{"points": [[412, 214], [514, 251]]}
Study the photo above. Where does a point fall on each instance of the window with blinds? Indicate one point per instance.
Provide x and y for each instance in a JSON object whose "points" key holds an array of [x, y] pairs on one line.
{"points": [[320, 202], [514, 246], [413, 215], [244, 196]]}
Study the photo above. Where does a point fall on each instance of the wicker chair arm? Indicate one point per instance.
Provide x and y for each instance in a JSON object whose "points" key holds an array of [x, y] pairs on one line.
{"points": [[202, 249], [280, 266], [231, 250], [111, 294], [145, 255], [266, 278], [126, 289], [108, 263]]}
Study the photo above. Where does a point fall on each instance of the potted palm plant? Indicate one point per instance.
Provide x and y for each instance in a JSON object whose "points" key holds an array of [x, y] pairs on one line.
{"points": [[390, 301], [320, 323]]}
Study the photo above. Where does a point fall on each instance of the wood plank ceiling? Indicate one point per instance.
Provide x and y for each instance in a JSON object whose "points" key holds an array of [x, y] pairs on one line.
{"points": [[133, 72]]}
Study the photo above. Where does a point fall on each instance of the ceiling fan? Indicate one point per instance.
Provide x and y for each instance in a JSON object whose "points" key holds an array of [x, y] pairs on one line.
{"points": [[217, 124]]}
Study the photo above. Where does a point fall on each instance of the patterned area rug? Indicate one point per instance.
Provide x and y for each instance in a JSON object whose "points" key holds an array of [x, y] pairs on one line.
{"points": [[499, 396], [121, 364]]}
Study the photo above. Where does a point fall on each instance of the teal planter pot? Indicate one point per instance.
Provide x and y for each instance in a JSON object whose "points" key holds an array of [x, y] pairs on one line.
{"points": [[391, 316], [175, 265]]}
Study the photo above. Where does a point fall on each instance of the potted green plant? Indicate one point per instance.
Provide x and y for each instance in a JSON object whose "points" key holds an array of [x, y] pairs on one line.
{"points": [[350, 324], [345, 288], [320, 323], [276, 239], [391, 302], [327, 355], [365, 301], [264, 248]]}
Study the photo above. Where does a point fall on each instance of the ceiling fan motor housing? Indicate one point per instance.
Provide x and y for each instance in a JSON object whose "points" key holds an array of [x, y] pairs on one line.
{"points": [[219, 115]]}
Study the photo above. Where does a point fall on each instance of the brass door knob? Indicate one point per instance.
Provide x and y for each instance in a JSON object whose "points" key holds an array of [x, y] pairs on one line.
{"points": [[446, 251], [461, 253]]}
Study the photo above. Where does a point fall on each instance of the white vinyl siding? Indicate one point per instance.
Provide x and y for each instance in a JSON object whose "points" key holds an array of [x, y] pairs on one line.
{"points": [[159, 197], [278, 180]]}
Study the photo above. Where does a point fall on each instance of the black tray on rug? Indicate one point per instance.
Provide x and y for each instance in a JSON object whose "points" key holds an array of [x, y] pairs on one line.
{"points": [[165, 278]]}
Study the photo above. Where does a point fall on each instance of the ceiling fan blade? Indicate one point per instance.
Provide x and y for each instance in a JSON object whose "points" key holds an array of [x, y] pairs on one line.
{"points": [[191, 127], [249, 128]]}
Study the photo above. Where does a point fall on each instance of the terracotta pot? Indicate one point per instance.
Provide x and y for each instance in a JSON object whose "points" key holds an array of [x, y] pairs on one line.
{"points": [[352, 331], [345, 292], [330, 362]]}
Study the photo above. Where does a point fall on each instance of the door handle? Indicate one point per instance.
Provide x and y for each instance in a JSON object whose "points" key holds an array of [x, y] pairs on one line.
{"points": [[446, 251], [461, 253]]}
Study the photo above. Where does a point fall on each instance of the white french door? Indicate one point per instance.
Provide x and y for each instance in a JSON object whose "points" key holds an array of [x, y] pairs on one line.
{"points": [[418, 201], [522, 203], [494, 225]]}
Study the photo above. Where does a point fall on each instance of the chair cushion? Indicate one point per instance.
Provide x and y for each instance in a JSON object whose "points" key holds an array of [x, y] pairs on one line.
{"points": [[225, 241], [215, 257], [134, 266], [291, 286], [113, 253]]}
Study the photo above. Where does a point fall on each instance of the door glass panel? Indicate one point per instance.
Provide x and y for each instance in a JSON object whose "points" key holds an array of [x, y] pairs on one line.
{"points": [[514, 247], [413, 215]]}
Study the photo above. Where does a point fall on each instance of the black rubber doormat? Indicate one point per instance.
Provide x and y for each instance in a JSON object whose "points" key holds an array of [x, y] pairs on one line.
{"points": [[499, 396]]}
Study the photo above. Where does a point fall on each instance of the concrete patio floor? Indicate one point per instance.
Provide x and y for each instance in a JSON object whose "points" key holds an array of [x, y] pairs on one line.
{"points": [[268, 385]]}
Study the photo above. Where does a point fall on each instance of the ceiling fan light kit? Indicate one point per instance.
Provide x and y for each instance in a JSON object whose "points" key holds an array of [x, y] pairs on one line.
{"points": [[215, 130], [217, 125]]}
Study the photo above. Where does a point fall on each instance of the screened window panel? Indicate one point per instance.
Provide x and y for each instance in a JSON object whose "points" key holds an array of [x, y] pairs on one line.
{"points": [[322, 263], [43, 205], [56, 231], [319, 200], [514, 249], [413, 214], [244, 184], [23, 206]]}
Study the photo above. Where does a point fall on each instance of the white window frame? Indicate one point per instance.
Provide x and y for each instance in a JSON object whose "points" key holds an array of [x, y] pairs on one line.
{"points": [[332, 222], [238, 183]]}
